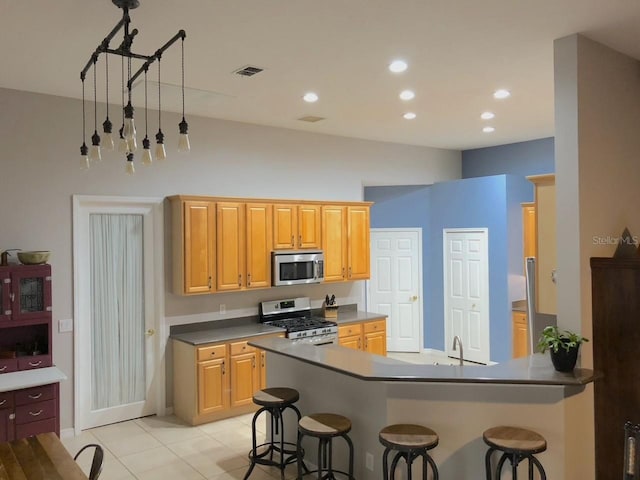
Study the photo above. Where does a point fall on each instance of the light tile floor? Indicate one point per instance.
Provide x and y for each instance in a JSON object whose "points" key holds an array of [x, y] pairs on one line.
{"points": [[166, 448], [162, 448]]}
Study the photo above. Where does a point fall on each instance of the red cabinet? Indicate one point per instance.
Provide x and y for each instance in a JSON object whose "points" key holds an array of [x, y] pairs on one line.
{"points": [[25, 344]]}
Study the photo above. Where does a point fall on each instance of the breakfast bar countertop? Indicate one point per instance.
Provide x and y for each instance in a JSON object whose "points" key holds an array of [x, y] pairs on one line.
{"points": [[532, 370]]}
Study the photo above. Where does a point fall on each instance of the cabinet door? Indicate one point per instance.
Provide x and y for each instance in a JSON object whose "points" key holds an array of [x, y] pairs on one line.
{"points": [[213, 386], [199, 246], [230, 221], [259, 237], [285, 226], [520, 338], [546, 256], [245, 378], [358, 244], [263, 370], [334, 242], [528, 230], [375, 342], [31, 292], [309, 226], [350, 336], [353, 341], [5, 289], [6, 425]]}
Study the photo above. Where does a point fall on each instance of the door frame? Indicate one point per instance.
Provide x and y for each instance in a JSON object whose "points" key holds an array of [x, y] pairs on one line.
{"points": [[445, 277], [152, 210], [418, 230]]}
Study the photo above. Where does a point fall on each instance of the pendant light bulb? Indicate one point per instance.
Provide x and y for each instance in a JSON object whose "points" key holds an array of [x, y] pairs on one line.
{"points": [[132, 144], [161, 153], [107, 140], [146, 152], [131, 169], [84, 157], [94, 152], [183, 141], [123, 147], [129, 124]]}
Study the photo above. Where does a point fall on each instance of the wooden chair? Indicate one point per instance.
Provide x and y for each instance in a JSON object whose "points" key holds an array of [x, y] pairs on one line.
{"points": [[96, 463]]}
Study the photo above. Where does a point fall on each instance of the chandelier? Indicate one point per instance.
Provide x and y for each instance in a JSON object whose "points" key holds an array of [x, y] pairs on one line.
{"points": [[128, 143]]}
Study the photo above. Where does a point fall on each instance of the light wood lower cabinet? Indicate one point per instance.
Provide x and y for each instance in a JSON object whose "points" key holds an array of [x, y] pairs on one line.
{"points": [[520, 337], [366, 336], [216, 381]]}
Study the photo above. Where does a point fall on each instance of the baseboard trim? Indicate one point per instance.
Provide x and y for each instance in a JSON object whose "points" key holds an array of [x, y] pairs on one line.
{"points": [[67, 433]]}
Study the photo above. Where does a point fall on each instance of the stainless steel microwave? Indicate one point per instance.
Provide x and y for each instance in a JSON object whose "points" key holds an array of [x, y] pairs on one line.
{"points": [[297, 267]]}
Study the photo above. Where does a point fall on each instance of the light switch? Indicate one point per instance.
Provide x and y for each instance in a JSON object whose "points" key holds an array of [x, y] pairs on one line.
{"points": [[65, 325]]}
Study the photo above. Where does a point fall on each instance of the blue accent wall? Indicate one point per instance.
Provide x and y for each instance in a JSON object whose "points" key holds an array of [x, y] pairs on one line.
{"points": [[525, 158], [487, 202]]}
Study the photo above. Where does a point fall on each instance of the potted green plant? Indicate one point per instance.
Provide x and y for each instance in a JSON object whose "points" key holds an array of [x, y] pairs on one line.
{"points": [[563, 346]]}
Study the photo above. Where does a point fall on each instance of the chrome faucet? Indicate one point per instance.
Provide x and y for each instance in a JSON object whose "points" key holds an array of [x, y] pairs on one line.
{"points": [[457, 341]]}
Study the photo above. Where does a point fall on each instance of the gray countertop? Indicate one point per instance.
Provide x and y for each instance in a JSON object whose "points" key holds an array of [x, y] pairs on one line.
{"points": [[233, 329], [532, 370]]}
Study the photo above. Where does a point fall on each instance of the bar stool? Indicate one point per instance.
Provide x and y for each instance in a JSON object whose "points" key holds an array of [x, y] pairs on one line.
{"points": [[516, 444], [410, 441], [274, 401], [324, 427]]}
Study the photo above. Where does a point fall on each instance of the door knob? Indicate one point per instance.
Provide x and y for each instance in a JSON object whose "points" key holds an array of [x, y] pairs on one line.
{"points": [[414, 298], [150, 332]]}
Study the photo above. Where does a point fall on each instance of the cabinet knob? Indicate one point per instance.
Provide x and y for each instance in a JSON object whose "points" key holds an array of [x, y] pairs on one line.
{"points": [[2, 370], [12, 296], [35, 414], [240, 280], [3, 402], [248, 279], [554, 276], [150, 332]]}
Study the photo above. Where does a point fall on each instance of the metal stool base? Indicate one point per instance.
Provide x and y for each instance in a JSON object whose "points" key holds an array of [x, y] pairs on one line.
{"points": [[409, 456], [514, 458], [325, 470]]}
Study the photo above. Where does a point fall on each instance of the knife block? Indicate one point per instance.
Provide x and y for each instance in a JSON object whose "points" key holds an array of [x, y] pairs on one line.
{"points": [[329, 311]]}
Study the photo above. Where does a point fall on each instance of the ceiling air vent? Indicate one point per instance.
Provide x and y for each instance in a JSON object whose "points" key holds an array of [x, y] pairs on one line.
{"points": [[248, 71], [311, 119]]}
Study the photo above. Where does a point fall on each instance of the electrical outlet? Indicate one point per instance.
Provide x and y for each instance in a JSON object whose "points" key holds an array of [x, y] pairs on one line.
{"points": [[223, 308], [369, 461], [65, 325]]}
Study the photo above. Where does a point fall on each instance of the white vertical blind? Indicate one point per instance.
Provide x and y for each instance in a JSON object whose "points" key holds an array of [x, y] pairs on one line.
{"points": [[117, 310]]}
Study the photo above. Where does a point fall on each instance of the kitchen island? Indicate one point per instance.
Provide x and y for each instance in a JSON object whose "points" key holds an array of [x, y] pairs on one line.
{"points": [[458, 402]]}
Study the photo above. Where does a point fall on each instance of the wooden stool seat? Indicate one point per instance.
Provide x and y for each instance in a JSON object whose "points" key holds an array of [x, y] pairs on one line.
{"points": [[516, 445], [273, 397], [408, 436], [324, 425], [515, 439]]}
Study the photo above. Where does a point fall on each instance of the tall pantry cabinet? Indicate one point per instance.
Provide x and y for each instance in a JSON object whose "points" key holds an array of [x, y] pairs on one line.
{"points": [[616, 338]]}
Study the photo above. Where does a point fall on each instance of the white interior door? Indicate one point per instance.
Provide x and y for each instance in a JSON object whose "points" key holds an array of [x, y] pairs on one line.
{"points": [[466, 292], [395, 287], [118, 303]]}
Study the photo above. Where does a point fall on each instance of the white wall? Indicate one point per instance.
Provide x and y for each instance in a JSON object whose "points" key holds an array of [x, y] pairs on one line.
{"points": [[597, 173], [40, 138]]}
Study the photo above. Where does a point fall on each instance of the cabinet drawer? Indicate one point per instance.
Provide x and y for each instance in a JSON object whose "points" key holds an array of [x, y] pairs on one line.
{"points": [[36, 361], [377, 326], [520, 318], [238, 348], [347, 330], [35, 412], [6, 400], [34, 428], [32, 395], [8, 365], [211, 353]]}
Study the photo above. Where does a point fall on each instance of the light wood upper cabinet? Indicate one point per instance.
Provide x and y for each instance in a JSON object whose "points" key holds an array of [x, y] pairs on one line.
{"points": [[334, 242], [258, 245], [230, 246], [193, 238], [243, 245], [546, 243], [358, 243], [345, 242], [296, 226]]}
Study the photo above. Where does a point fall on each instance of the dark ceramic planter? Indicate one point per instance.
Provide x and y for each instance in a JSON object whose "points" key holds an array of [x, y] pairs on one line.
{"points": [[563, 360]]}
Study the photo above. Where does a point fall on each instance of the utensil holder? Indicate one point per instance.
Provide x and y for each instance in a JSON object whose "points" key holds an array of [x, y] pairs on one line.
{"points": [[330, 311]]}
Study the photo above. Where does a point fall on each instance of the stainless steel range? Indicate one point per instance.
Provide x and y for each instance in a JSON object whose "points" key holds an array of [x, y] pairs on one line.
{"points": [[294, 315]]}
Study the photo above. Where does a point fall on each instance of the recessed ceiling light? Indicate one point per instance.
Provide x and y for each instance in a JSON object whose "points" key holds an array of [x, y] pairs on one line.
{"points": [[501, 93], [407, 95], [398, 66], [310, 97], [488, 129], [487, 115], [409, 115]]}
